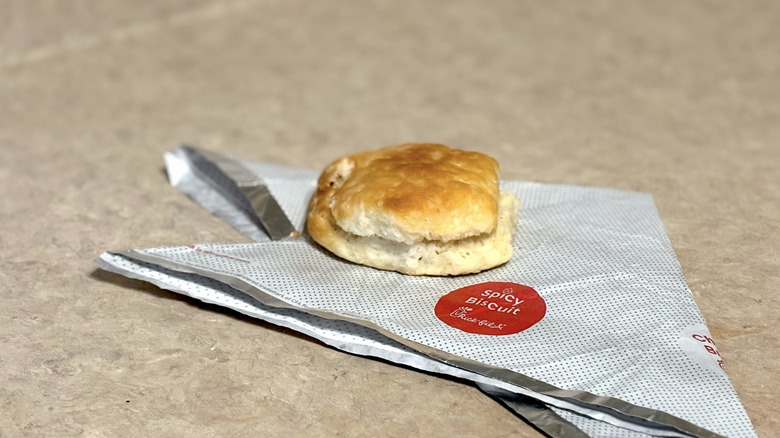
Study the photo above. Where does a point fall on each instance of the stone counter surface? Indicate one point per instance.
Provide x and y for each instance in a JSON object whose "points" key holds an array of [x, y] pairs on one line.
{"points": [[677, 99]]}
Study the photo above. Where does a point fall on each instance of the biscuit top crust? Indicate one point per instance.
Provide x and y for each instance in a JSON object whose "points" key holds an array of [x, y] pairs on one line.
{"points": [[414, 192]]}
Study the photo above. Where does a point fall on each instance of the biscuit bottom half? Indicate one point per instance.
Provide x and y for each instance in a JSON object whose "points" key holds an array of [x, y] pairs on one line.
{"points": [[427, 257]]}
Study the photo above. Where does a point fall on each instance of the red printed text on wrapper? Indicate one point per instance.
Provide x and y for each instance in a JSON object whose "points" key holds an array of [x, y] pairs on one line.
{"points": [[492, 308]]}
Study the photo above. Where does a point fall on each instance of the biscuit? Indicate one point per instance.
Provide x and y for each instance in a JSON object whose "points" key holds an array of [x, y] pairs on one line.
{"points": [[419, 209]]}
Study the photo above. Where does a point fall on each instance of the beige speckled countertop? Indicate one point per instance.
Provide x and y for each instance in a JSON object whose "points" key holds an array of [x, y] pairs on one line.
{"points": [[677, 99]]}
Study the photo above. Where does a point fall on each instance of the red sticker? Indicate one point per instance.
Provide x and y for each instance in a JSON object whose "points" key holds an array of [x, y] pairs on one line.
{"points": [[492, 308]]}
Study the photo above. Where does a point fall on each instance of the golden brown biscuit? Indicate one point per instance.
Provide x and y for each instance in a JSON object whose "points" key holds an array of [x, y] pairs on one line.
{"points": [[421, 209]]}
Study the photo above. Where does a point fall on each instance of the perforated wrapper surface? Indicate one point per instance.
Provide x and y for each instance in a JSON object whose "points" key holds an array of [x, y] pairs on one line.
{"points": [[622, 342]]}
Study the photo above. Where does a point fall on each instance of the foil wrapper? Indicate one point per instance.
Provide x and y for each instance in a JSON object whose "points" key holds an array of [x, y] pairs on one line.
{"points": [[619, 350], [246, 201]]}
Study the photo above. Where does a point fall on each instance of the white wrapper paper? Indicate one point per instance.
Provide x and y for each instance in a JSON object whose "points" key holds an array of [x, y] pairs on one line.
{"points": [[622, 350]]}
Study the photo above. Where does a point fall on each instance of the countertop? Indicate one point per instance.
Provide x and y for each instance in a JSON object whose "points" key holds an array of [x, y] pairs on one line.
{"points": [[675, 99]]}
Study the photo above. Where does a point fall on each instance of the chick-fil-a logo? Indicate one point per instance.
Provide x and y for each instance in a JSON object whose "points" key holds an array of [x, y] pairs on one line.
{"points": [[492, 308]]}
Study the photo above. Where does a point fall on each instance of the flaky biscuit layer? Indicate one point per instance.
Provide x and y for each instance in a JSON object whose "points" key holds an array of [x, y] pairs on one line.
{"points": [[418, 209]]}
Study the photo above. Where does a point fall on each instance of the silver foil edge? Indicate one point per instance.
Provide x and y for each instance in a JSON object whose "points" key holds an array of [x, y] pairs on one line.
{"points": [[242, 188], [535, 412], [662, 423]]}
